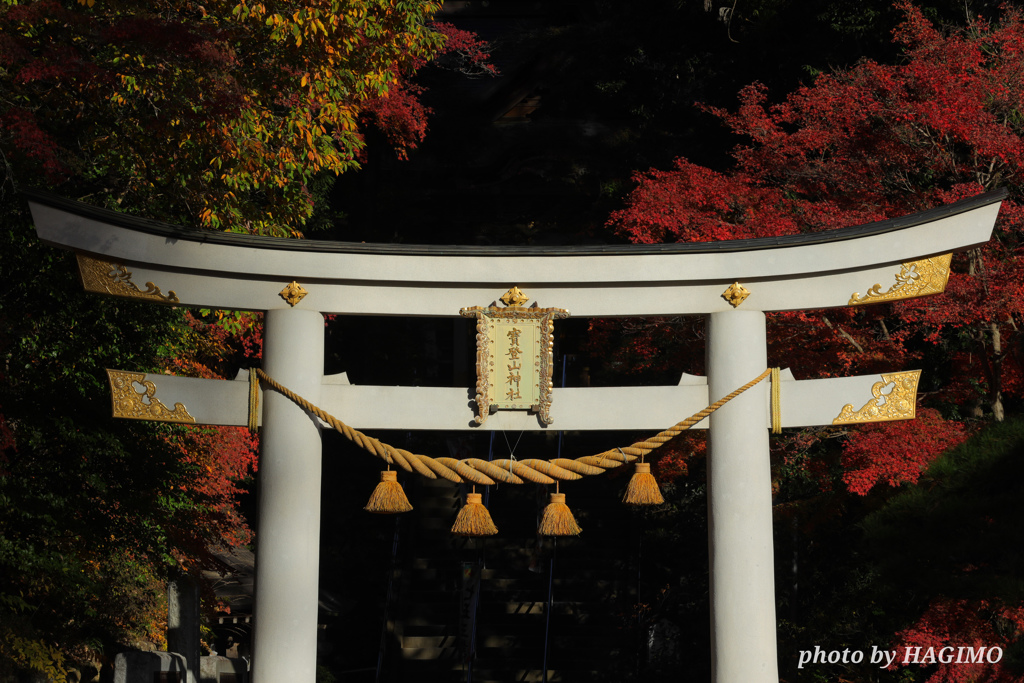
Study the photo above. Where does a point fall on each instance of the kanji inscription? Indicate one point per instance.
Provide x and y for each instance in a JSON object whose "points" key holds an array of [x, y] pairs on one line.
{"points": [[514, 357]]}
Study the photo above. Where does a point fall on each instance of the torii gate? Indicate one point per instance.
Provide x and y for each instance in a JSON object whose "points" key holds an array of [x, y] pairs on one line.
{"points": [[732, 283]]}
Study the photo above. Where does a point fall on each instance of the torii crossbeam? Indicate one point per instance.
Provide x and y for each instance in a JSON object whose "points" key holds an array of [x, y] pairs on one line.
{"points": [[732, 283]]}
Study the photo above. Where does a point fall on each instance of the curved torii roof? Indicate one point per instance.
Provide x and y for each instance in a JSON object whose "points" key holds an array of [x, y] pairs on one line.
{"points": [[128, 256]]}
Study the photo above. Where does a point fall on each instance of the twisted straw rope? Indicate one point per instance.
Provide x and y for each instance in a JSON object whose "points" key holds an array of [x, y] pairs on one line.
{"points": [[507, 471], [254, 400], [642, 448], [776, 401]]}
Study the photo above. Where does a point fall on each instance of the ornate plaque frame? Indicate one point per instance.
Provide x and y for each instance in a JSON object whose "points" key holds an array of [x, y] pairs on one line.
{"points": [[514, 356]]}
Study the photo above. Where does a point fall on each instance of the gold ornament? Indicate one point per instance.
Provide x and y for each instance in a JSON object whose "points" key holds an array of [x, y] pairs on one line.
{"points": [[514, 297], [916, 278], [735, 294], [293, 293], [899, 404], [104, 277], [129, 403]]}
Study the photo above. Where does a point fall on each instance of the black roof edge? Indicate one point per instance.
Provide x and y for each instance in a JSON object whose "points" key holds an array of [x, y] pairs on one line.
{"points": [[153, 227]]}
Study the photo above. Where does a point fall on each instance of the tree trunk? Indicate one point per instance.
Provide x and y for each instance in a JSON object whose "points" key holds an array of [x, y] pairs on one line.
{"points": [[992, 364], [995, 387]]}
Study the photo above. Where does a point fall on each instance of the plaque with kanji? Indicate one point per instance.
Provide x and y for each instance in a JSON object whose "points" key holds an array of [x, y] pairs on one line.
{"points": [[514, 347]]}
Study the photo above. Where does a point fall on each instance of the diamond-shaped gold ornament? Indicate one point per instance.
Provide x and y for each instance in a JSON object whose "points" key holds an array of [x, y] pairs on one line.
{"points": [[514, 297], [293, 293], [735, 294]]}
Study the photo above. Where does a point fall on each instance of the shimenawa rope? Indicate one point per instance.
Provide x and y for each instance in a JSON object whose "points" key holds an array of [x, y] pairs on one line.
{"points": [[254, 400], [508, 471], [776, 402]]}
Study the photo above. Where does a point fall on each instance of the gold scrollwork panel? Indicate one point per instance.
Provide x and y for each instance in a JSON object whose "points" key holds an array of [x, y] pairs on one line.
{"points": [[899, 404], [127, 402], [104, 277], [916, 278]]}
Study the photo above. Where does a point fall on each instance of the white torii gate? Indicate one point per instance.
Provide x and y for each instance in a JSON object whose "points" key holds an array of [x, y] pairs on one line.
{"points": [[732, 283]]}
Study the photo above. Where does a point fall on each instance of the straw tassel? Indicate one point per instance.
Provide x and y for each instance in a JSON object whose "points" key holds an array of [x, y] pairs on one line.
{"points": [[557, 519], [388, 497], [643, 489], [474, 519]]}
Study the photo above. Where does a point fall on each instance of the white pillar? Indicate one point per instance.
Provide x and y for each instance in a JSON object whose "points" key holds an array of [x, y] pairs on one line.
{"points": [[288, 531], [743, 642]]}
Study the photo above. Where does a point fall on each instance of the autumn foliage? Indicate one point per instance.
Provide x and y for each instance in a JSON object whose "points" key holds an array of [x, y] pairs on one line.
{"points": [[226, 115], [871, 142], [400, 113], [870, 459], [95, 512], [867, 143], [219, 113], [961, 624]]}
